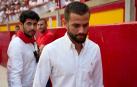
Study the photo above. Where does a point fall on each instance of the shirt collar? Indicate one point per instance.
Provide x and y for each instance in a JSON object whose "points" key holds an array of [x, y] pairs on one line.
{"points": [[26, 39]]}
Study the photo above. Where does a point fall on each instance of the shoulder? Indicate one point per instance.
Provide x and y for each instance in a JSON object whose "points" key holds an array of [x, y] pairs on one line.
{"points": [[13, 36], [16, 42], [15, 45], [94, 49], [56, 44], [50, 33], [92, 45]]}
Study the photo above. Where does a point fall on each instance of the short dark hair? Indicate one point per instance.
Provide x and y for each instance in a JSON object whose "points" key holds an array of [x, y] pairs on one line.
{"points": [[28, 14], [45, 20], [75, 7]]}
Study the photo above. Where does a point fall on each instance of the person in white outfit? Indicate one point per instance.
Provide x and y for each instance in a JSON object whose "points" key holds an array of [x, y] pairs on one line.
{"points": [[17, 28], [21, 64], [72, 60]]}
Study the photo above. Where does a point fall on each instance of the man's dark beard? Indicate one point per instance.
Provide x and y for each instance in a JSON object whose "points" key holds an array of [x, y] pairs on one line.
{"points": [[74, 38], [28, 35], [43, 31], [25, 32]]}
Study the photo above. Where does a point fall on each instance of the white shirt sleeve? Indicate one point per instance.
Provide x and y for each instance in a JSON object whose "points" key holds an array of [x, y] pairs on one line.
{"points": [[43, 70], [97, 72], [14, 65]]}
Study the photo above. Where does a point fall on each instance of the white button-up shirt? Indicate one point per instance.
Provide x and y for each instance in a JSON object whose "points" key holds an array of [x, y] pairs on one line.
{"points": [[21, 63], [66, 68]]}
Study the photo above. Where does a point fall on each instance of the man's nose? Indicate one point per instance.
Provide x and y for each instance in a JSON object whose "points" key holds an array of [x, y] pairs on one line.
{"points": [[32, 26], [81, 29]]}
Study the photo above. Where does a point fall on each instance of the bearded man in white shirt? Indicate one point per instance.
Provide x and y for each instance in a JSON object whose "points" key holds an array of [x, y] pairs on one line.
{"points": [[72, 60], [21, 52]]}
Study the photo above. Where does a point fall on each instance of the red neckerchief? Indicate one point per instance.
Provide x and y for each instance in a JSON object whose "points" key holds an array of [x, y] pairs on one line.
{"points": [[26, 39]]}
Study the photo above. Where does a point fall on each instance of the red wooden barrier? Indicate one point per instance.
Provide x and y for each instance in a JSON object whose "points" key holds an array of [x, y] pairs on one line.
{"points": [[119, 53], [118, 45], [4, 42]]}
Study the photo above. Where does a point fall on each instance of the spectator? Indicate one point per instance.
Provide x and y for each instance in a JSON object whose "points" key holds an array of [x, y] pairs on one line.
{"points": [[52, 5], [44, 37], [1, 15], [17, 28], [73, 60], [22, 58]]}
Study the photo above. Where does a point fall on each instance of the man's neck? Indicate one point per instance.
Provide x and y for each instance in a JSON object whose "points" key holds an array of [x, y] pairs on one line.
{"points": [[78, 47], [43, 31]]}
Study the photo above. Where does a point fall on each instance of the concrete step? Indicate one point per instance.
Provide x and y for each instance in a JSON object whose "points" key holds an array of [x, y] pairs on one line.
{"points": [[3, 77]]}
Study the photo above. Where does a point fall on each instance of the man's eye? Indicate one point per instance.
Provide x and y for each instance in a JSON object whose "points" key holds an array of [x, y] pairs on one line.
{"points": [[85, 25], [29, 23], [76, 25]]}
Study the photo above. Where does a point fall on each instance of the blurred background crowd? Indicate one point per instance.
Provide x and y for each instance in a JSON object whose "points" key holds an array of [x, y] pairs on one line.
{"points": [[11, 9]]}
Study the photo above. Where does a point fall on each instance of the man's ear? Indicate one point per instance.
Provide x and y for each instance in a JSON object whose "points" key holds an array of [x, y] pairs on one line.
{"points": [[66, 23], [21, 26], [46, 24]]}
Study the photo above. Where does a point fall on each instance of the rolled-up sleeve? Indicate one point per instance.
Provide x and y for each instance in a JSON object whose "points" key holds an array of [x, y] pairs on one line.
{"points": [[43, 70], [14, 65]]}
